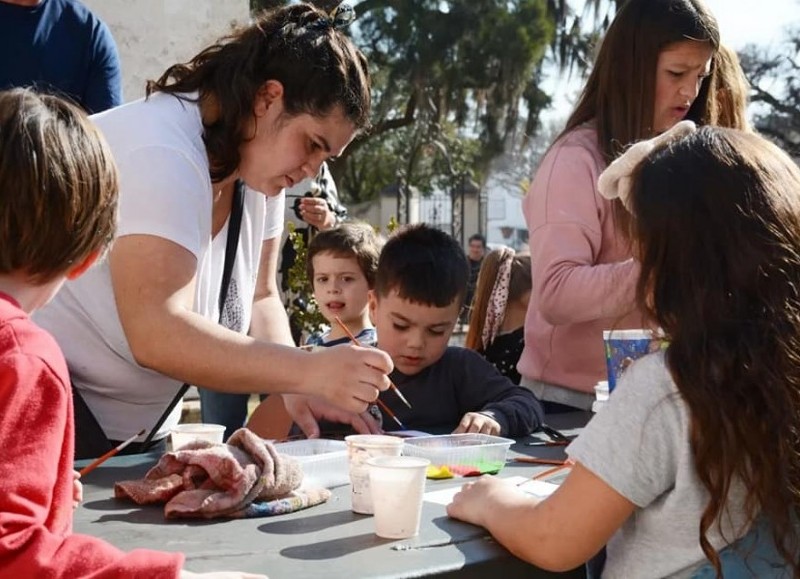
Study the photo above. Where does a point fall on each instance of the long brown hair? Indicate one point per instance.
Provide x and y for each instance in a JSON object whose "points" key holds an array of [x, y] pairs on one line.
{"points": [[519, 283], [732, 90], [717, 230], [297, 45], [619, 95]]}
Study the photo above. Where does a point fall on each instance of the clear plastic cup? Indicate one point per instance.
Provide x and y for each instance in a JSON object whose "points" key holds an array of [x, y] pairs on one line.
{"points": [[183, 434], [360, 448], [398, 485]]}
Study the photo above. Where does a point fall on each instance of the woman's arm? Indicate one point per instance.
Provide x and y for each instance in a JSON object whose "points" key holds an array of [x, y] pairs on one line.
{"points": [[558, 533], [566, 217], [154, 280], [269, 321]]}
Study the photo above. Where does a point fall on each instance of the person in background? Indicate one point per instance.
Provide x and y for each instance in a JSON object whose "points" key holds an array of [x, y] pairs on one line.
{"points": [[219, 137], [419, 291], [583, 268], [496, 326], [312, 205], [341, 264], [692, 469], [59, 46], [58, 199], [476, 249]]}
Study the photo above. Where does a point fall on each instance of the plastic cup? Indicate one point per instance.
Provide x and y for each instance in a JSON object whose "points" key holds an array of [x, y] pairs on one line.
{"points": [[601, 391], [360, 448], [397, 484], [183, 434], [623, 347]]}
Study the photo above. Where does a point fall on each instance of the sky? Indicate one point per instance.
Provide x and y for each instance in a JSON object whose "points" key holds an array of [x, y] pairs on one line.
{"points": [[741, 22]]}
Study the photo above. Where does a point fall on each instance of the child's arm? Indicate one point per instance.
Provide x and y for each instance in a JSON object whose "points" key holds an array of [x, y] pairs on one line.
{"points": [[483, 389], [558, 533], [36, 501]]}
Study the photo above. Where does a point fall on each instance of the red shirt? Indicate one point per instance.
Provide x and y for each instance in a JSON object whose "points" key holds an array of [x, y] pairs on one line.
{"points": [[36, 456]]}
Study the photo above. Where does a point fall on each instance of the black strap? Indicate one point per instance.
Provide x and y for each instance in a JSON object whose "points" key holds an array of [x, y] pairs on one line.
{"points": [[234, 226]]}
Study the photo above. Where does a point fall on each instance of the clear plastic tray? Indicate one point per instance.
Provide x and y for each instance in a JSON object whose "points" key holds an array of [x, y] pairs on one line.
{"points": [[480, 452], [324, 461]]}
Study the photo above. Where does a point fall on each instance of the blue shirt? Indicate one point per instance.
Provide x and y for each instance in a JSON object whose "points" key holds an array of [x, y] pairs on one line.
{"points": [[60, 47]]}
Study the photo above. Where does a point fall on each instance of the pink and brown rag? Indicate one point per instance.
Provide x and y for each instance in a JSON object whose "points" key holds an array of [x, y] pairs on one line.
{"points": [[246, 477]]}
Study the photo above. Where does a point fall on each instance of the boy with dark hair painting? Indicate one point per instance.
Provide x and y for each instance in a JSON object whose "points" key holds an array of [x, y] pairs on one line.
{"points": [[419, 290], [58, 205]]}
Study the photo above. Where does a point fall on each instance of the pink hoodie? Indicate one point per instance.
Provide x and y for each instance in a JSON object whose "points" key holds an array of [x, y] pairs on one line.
{"points": [[584, 277]]}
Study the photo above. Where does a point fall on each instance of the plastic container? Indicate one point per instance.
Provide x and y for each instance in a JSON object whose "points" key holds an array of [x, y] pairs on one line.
{"points": [[468, 453], [324, 462], [183, 434]]}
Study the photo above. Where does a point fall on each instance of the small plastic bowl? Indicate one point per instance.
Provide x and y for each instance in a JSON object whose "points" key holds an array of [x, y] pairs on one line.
{"points": [[183, 434]]}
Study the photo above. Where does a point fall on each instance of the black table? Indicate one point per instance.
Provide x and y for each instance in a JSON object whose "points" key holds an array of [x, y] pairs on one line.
{"points": [[328, 540]]}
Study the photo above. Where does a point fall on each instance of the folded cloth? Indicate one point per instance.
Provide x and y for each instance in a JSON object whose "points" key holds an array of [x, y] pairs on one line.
{"points": [[246, 477]]}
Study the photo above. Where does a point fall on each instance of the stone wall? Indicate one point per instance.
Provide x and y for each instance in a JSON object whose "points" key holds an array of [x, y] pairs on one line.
{"points": [[154, 34]]}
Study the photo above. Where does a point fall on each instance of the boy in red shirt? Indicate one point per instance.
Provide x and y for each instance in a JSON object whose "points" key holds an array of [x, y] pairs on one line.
{"points": [[58, 200]]}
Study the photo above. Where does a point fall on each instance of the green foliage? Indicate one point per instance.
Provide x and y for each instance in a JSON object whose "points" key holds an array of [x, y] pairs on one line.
{"points": [[308, 318], [454, 83]]}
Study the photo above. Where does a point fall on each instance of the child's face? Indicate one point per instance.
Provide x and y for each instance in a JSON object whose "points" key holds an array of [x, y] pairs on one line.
{"points": [[680, 71], [414, 335], [340, 287]]}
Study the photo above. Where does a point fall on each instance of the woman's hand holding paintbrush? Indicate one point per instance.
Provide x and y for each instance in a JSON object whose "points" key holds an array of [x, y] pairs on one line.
{"points": [[380, 403]]}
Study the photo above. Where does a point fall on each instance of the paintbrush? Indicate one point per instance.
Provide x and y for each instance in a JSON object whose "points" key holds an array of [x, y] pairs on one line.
{"points": [[390, 413], [100, 460], [531, 460], [350, 335], [547, 472]]}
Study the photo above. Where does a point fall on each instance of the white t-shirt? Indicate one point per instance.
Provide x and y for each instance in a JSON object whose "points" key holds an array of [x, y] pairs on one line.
{"points": [[165, 190], [639, 445]]}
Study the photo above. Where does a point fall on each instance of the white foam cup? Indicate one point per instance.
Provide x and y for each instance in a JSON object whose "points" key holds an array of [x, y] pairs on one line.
{"points": [[398, 485]]}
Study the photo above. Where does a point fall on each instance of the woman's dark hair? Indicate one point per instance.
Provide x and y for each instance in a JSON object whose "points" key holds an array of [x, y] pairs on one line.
{"points": [[717, 230], [297, 45], [620, 92]]}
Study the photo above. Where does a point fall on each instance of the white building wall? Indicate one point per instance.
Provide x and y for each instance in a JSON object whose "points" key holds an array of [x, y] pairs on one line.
{"points": [[154, 34]]}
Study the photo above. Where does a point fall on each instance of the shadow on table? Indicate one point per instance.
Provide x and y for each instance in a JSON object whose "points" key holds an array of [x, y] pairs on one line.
{"points": [[335, 548], [310, 524]]}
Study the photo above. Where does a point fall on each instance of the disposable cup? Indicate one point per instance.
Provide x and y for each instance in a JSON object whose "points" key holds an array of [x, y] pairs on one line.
{"points": [[601, 391], [183, 434], [622, 347], [360, 448], [398, 485]]}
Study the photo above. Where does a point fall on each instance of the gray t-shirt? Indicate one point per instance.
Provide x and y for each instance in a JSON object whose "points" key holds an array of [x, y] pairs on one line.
{"points": [[639, 445]]}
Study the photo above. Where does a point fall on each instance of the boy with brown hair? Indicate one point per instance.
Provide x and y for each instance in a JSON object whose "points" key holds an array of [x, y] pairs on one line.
{"points": [[58, 203], [341, 265]]}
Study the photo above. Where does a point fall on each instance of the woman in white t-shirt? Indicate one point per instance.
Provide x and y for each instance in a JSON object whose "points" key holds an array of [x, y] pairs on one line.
{"points": [[693, 468], [265, 106]]}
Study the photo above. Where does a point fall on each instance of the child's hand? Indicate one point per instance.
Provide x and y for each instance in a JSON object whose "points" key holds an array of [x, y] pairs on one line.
{"points": [[475, 501], [478, 422], [77, 489]]}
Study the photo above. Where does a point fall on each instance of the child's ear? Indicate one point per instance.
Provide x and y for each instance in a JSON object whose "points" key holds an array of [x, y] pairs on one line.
{"points": [[372, 301], [80, 269]]}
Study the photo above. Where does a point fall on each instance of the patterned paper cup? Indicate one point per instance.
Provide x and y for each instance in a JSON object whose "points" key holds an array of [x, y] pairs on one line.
{"points": [[623, 347]]}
